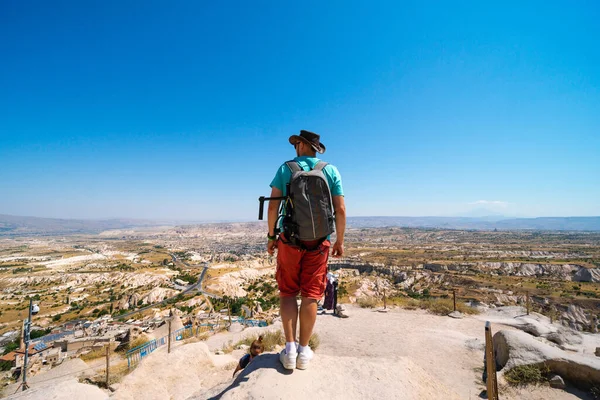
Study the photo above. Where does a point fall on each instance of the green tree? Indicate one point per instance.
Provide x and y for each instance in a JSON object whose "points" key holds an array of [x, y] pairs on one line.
{"points": [[12, 346]]}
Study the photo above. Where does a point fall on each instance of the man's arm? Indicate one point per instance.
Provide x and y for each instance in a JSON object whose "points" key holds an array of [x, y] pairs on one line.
{"points": [[273, 213], [340, 225]]}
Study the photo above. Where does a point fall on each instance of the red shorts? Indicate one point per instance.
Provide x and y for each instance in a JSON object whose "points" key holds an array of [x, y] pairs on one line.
{"points": [[302, 271]]}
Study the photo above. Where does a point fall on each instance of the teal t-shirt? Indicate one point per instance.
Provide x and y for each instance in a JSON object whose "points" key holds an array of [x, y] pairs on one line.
{"points": [[283, 175]]}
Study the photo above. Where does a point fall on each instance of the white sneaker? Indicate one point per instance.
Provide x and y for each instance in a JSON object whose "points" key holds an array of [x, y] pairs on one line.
{"points": [[288, 360], [304, 358]]}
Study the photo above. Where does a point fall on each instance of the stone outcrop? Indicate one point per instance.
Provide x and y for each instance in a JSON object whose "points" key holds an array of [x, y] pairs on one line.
{"points": [[514, 348], [563, 272], [535, 324], [158, 294], [587, 275], [435, 267], [576, 317], [397, 273]]}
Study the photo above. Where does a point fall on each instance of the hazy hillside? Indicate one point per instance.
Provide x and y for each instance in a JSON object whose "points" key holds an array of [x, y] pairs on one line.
{"points": [[543, 223], [13, 225]]}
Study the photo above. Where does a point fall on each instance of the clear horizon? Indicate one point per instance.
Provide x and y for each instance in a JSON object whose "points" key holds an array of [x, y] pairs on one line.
{"points": [[189, 220], [112, 110]]}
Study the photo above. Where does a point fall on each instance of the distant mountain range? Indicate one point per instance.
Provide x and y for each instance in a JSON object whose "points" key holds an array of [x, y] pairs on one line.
{"points": [[24, 226], [21, 226], [483, 223]]}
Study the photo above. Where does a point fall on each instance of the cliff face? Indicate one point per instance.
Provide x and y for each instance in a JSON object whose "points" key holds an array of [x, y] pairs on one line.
{"points": [[564, 272], [397, 273], [437, 275], [587, 275]]}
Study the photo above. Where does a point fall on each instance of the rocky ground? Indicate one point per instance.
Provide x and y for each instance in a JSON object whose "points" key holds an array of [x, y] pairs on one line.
{"points": [[370, 355]]}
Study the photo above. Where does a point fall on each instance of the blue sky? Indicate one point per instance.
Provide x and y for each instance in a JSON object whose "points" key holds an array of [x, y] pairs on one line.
{"points": [[145, 109]]}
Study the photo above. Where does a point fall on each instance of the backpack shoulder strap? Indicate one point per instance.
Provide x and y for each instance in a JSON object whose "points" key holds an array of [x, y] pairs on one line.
{"points": [[320, 165], [293, 166]]}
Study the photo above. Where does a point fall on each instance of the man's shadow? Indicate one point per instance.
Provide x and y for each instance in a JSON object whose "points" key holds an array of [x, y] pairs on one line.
{"points": [[268, 360]]}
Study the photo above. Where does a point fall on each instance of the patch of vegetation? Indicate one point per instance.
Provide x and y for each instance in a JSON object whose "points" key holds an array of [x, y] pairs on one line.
{"points": [[314, 342], [10, 265], [5, 365], [367, 302], [120, 312], [94, 355], [186, 277], [425, 294], [186, 309], [442, 306], [117, 373], [235, 303], [404, 302], [99, 313], [76, 306], [140, 340], [124, 267], [272, 339], [12, 346], [527, 374], [436, 305], [39, 333]]}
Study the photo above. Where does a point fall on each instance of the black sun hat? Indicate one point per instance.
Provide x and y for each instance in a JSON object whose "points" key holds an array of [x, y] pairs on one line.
{"points": [[310, 138]]}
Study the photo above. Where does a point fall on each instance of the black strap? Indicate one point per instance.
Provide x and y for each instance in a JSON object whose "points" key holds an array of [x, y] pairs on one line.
{"points": [[295, 242]]}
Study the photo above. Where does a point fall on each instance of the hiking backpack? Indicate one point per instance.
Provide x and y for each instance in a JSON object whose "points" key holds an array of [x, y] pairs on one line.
{"points": [[308, 210]]}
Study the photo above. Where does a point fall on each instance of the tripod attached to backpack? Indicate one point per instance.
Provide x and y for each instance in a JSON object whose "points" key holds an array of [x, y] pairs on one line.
{"points": [[284, 212]]}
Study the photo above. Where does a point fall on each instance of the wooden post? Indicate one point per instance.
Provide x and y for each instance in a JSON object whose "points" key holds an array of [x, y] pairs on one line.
{"points": [[454, 297], [169, 338], [490, 364], [528, 306], [229, 312], [107, 364], [384, 300]]}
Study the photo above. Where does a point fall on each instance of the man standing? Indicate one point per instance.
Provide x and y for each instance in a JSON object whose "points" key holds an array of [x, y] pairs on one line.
{"points": [[301, 263]]}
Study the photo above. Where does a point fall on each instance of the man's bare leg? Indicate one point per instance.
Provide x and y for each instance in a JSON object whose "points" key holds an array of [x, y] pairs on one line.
{"points": [[308, 317], [288, 308]]}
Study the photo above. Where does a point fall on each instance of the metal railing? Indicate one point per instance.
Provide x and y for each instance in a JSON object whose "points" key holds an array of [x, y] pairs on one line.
{"points": [[135, 355], [249, 322]]}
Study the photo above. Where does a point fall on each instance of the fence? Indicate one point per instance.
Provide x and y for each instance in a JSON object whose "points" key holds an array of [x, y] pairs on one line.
{"points": [[249, 322], [135, 355]]}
